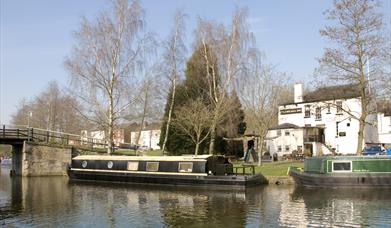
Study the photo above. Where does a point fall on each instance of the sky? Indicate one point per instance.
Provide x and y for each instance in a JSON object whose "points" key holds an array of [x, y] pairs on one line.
{"points": [[36, 36]]}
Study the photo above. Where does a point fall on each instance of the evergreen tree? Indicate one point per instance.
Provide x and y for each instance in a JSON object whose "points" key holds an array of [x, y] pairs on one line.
{"points": [[197, 86]]}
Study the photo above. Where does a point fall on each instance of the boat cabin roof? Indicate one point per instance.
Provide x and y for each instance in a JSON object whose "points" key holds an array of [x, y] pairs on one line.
{"points": [[143, 158], [350, 158]]}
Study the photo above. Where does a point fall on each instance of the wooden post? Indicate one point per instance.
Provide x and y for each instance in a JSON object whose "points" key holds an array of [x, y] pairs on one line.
{"points": [[47, 136], [3, 131]]}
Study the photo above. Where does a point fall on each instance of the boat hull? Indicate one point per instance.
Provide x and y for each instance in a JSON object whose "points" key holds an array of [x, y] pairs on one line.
{"points": [[336, 180], [167, 179]]}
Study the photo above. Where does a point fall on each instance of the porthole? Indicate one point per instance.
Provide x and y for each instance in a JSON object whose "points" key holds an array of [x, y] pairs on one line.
{"points": [[84, 164], [110, 164]]}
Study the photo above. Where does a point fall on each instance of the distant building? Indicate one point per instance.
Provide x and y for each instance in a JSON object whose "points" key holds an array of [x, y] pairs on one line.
{"points": [[149, 137], [315, 123], [384, 122], [99, 136]]}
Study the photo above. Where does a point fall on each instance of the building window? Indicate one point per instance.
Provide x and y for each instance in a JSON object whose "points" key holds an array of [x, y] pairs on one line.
{"points": [[185, 167], [328, 109], [287, 133], [339, 107], [307, 111], [348, 124], [152, 166], [279, 148], [133, 166], [287, 147], [342, 134], [278, 132], [318, 113]]}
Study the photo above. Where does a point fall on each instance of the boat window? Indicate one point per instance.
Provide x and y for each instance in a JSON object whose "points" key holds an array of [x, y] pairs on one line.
{"points": [[185, 167], [152, 166], [110, 164], [84, 164], [133, 166], [342, 166]]}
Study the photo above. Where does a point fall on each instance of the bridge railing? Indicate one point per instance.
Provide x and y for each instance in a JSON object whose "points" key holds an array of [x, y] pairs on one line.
{"points": [[48, 136]]}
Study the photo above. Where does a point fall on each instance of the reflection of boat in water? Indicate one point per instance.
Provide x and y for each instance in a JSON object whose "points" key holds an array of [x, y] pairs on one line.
{"points": [[176, 170], [344, 171]]}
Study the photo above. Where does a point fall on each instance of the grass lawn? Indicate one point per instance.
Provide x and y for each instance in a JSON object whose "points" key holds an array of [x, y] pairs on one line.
{"points": [[275, 168]]}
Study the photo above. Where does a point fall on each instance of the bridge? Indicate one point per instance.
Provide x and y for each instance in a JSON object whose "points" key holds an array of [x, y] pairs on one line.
{"points": [[39, 152], [16, 135]]}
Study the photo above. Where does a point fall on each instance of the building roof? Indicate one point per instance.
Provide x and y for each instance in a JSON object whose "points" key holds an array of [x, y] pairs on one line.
{"points": [[285, 126], [333, 93], [327, 93]]}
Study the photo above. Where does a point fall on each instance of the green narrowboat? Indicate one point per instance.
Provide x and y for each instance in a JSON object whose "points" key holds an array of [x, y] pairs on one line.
{"points": [[344, 171]]}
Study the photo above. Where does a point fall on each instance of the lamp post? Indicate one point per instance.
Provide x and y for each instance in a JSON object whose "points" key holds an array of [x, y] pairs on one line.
{"points": [[29, 115]]}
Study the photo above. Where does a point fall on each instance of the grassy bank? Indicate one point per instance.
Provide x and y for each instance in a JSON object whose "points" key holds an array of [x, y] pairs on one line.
{"points": [[275, 168]]}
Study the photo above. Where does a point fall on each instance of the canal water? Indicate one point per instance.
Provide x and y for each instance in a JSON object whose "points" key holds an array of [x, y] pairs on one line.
{"points": [[57, 202]]}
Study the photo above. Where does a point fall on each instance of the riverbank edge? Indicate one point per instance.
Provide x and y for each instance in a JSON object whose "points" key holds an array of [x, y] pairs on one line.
{"points": [[280, 180]]}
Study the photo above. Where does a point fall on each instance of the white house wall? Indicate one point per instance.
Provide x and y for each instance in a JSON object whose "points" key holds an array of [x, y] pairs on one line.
{"points": [[148, 138], [384, 128], [329, 121], [274, 141]]}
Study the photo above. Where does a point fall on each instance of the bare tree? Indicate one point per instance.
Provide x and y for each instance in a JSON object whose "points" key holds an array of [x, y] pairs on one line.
{"points": [[51, 110], [358, 40], [194, 120], [109, 51], [174, 59], [262, 90], [228, 45]]}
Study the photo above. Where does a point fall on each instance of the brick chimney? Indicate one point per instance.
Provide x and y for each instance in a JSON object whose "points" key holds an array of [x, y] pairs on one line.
{"points": [[298, 93]]}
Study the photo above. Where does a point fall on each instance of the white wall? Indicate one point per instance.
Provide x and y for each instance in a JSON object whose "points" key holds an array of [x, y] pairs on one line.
{"points": [[294, 139], [384, 128], [148, 138], [329, 119]]}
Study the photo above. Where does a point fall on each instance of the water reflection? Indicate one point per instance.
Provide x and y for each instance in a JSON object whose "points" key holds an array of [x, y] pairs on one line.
{"points": [[168, 205], [344, 207], [54, 201]]}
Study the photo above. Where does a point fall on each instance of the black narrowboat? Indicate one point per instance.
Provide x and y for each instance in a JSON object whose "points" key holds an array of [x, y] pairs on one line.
{"points": [[174, 170]]}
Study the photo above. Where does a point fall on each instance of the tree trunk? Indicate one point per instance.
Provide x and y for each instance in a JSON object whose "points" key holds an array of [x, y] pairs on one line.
{"points": [[361, 129], [171, 108], [111, 126], [212, 139], [197, 148]]}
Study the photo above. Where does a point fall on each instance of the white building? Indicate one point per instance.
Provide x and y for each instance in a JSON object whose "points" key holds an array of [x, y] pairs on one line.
{"points": [[384, 122], [316, 123], [149, 138], [99, 136]]}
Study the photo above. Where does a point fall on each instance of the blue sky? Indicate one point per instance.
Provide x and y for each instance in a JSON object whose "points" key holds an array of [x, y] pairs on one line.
{"points": [[36, 36]]}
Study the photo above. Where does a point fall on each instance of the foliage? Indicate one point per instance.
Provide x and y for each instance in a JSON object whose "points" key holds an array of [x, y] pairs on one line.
{"points": [[357, 42], [110, 50], [52, 110], [5, 151]]}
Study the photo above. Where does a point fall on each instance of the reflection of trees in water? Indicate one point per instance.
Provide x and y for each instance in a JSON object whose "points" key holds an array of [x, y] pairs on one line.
{"points": [[343, 206], [143, 205], [211, 207], [39, 199]]}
